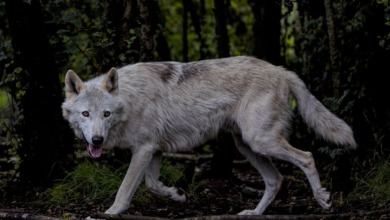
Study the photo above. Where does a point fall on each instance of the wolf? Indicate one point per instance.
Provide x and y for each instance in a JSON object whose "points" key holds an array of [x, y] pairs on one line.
{"points": [[157, 107]]}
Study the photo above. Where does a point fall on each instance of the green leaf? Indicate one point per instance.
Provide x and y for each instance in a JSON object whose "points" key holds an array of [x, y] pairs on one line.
{"points": [[97, 34], [65, 39], [122, 57], [18, 85], [9, 136], [18, 70], [381, 43]]}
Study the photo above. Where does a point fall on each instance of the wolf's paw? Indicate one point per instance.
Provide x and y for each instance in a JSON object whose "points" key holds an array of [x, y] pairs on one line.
{"points": [[117, 208], [249, 212], [181, 196], [323, 198], [89, 218]]}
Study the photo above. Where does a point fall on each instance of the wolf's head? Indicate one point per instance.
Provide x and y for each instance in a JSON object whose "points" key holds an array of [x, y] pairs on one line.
{"points": [[93, 108]]}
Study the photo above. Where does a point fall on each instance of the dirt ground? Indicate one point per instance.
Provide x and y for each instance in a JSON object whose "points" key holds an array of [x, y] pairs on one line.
{"points": [[211, 196]]}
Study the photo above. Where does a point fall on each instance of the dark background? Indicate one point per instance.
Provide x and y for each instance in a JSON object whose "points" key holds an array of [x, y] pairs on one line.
{"points": [[340, 49]]}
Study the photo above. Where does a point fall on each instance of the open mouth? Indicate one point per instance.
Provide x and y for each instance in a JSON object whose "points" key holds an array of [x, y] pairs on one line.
{"points": [[94, 151]]}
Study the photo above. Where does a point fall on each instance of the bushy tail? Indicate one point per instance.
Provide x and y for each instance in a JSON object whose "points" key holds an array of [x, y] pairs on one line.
{"points": [[323, 122]]}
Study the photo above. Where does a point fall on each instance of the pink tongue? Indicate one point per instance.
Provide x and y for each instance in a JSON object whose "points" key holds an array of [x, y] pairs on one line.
{"points": [[94, 151]]}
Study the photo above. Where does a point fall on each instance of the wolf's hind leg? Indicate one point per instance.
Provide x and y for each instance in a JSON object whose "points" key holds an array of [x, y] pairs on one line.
{"points": [[272, 178], [155, 186], [304, 160]]}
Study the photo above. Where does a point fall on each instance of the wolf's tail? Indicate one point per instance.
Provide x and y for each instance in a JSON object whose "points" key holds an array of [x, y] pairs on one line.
{"points": [[323, 122]]}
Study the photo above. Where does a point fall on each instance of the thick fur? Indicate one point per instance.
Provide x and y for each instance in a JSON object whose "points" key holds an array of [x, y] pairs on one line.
{"points": [[169, 106]]}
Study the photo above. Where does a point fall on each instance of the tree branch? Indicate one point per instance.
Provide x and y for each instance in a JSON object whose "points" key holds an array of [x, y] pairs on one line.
{"points": [[251, 217], [21, 214], [29, 216]]}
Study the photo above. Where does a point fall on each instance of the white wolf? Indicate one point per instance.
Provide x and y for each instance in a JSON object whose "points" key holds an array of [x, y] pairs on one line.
{"points": [[169, 106]]}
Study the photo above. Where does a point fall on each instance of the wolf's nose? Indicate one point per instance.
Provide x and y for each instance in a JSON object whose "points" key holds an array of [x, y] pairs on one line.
{"points": [[97, 140]]}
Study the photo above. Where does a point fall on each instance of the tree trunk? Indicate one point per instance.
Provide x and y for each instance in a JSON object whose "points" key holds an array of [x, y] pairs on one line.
{"points": [[342, 165], [46, 135], [204, 49], [196, 22], [162, 46], [334, 52], [222, 161], [123, 15], [220, 28], [185, 30], [152, 25], [266, 30], [148, 20], [272, 26], [258, 29]]}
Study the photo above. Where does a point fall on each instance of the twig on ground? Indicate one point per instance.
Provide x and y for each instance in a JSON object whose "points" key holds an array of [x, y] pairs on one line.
{"points": [[11, 214]]}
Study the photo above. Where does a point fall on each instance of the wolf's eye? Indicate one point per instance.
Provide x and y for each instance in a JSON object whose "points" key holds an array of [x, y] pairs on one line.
{"points": [[107, 113], [85, 113]]}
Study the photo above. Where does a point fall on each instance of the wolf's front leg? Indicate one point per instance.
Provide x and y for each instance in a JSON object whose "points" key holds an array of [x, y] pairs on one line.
{"points": [[139, 161], [157, 187]]}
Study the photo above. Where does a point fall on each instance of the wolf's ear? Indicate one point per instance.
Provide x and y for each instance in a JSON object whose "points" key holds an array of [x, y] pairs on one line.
{"points": [[73, 84], [110, 83]]}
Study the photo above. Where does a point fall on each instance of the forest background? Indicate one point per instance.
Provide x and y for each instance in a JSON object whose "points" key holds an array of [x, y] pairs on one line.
{"points": [[341, 49]]}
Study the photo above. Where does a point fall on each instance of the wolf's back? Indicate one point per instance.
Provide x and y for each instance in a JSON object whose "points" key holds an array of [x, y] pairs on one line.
{"points": [[323, 122]]}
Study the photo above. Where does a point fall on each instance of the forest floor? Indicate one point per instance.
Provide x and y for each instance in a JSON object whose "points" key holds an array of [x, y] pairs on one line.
{"points": [[210, 197]]}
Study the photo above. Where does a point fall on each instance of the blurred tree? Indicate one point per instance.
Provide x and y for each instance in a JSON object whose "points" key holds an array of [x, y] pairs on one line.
{"points": [[91, 36], [362, 87], [222, 161], [220, 28], [267, 30], [148, 18], [162, 46], [342, 165], [198, 22], [122, 15], [335, 54], [185, 30], [46, 136]]}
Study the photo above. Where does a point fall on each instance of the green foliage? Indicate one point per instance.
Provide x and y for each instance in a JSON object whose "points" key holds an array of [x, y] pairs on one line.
{"points": [[358, 54], [384, 41], [86, 32], [239, 26], [12, 90], [88, 181], [84, 38], [194, 186], [170, 174], [8, 121], [374, 186], [93, 180], [333, 153], [173, 9], [4, 104], [334, 103], [289, 27]]}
